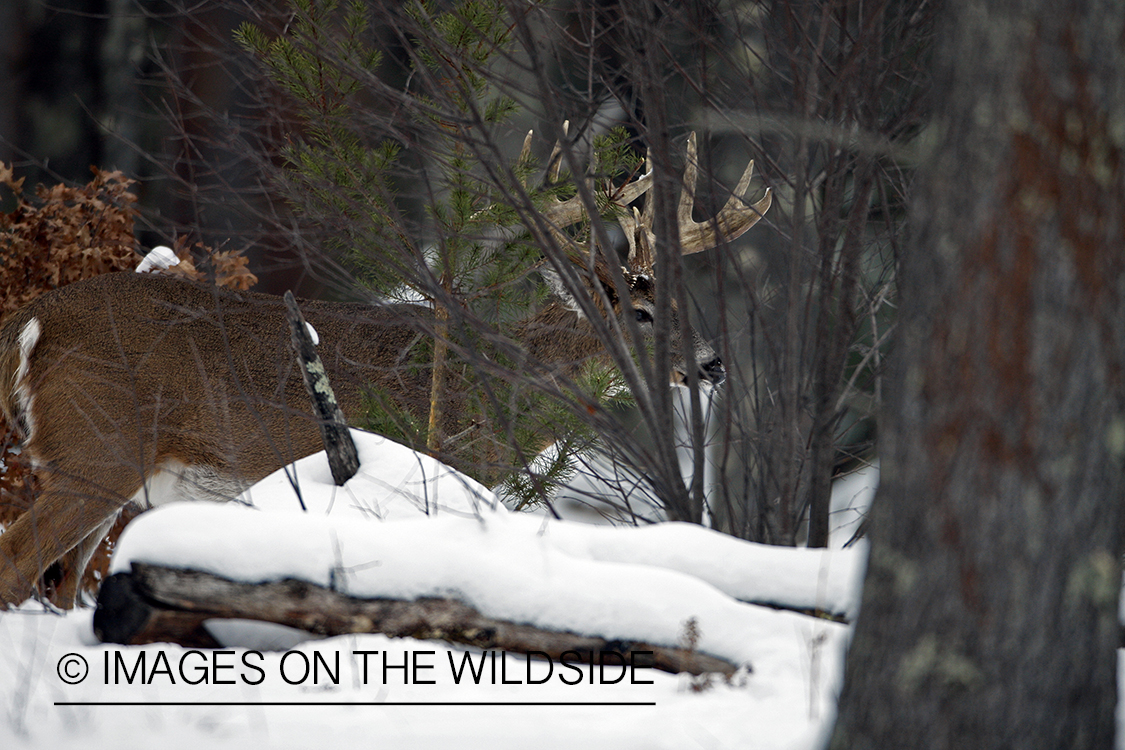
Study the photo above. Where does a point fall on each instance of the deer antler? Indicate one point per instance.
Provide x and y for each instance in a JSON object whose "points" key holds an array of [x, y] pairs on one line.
{"points": [[638, 231], [564, 213], [735, 218], [730, 223]]}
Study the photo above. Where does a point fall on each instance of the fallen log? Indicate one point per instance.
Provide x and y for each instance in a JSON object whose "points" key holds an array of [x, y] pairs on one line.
{"points": [[156, 604]]}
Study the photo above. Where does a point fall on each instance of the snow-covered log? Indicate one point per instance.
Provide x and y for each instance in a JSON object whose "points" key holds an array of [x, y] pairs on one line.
{"points": [[155, 604], [409, 547]]}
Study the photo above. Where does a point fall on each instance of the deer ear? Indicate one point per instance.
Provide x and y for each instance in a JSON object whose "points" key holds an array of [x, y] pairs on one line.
{"points": [[558, 288]]}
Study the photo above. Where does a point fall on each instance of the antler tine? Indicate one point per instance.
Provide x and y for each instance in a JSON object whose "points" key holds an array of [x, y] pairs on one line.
{"points": [[630, 191], [561, 213], [636, 225], [554, 163], [687, 194], [638, 232], [525, 155], [650, 206]]}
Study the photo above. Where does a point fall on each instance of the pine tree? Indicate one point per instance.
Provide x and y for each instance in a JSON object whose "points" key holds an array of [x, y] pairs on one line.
{"points": [[464, 260]]}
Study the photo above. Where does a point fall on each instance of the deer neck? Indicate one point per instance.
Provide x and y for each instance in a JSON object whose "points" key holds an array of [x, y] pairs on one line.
{"points": [[559, 336]]}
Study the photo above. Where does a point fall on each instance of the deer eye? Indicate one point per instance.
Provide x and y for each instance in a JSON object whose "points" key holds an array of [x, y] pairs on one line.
{"points": [[643, 316]]}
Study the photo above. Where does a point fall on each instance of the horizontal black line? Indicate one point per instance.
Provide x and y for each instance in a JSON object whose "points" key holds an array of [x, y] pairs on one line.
{"points": [[355, 703]]}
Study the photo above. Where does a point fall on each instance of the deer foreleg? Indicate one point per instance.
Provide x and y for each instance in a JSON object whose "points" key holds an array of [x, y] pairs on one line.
{"points": [[66, 521]]}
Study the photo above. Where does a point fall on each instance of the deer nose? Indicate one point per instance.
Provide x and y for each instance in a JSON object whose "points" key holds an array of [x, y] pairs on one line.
{"points": [[713, 371]]}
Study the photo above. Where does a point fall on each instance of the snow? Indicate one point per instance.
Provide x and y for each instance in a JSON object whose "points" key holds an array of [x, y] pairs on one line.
{"points": [[393, 482], [158, 259], [407, 526], [780, 705]]}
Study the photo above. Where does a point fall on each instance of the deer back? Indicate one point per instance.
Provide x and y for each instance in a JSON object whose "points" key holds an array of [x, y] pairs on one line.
{"points": [[142, 370]]}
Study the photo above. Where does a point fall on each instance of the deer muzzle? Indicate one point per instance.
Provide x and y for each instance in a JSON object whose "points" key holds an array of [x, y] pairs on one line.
{"points": [[713, 372]]}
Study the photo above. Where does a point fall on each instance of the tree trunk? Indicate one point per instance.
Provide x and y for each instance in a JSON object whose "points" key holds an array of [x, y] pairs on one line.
{"points": [[434, 436], [989, 616]]}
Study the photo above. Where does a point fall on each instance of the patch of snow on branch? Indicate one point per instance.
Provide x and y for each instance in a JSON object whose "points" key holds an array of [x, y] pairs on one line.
{"points": [[157, 259]]}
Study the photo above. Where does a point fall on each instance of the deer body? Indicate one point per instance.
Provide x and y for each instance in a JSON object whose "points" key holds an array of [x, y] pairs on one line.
{"points": [[146, 389], [128, 381], [140, 388]]}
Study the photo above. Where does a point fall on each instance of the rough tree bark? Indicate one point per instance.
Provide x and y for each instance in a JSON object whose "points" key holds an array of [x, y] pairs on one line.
{"points": [[990, 611]]}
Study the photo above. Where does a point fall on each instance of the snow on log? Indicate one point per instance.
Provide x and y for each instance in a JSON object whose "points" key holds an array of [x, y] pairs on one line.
{"points": [[396, 483], [826, 582], [411, 547]]}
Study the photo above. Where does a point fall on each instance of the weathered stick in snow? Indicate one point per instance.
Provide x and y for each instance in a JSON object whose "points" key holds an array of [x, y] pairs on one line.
{"points": [[157, 604], [342, 457]]}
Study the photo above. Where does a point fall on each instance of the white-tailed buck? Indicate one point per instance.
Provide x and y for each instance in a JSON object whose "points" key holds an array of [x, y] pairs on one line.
{"points": [[144, 388]]}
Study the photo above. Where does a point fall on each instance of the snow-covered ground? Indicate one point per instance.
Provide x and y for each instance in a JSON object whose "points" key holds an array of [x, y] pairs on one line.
{"points": [[408, 527]]}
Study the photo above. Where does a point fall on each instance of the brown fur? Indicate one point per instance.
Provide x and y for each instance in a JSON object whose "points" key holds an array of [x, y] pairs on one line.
{"points": [[133, 371]]}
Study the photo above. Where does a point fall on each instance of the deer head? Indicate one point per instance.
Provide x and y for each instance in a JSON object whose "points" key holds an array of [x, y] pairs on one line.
{"points": [[637, 297]]}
